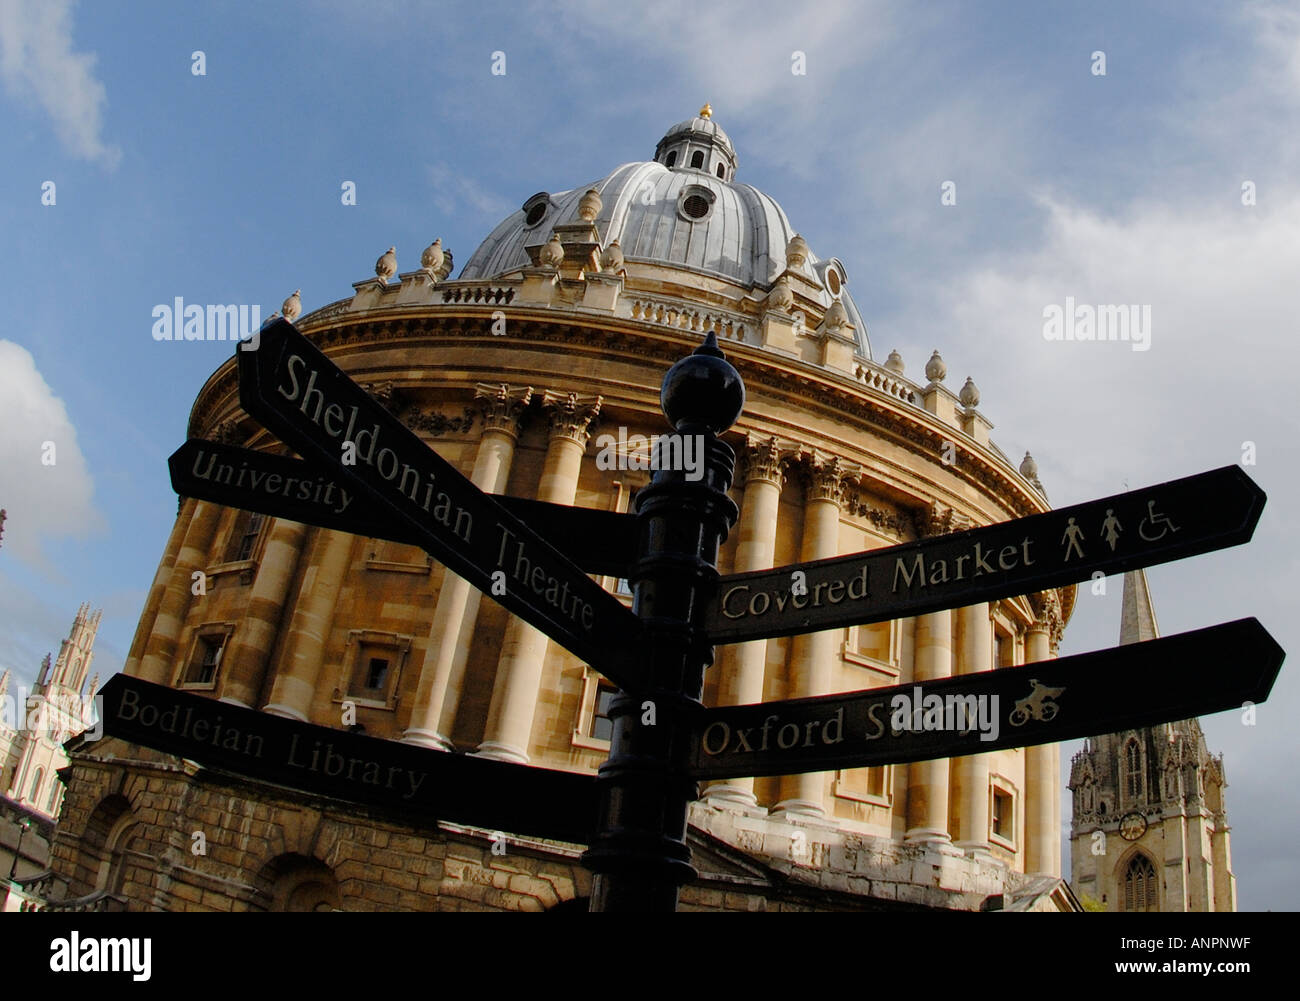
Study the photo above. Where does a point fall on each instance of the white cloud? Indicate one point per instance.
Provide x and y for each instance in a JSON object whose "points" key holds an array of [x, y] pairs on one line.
{"points": [[37, 61], [455, 193], [43, 501], [739, 58], [1223, 349]]}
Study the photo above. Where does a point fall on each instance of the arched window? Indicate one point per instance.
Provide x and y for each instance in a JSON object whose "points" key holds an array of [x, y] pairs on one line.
{"points": [[671, 159], [36, 785], [1140, 890], [1133, 769], [697, 159], [722, 170], [54, 799]]}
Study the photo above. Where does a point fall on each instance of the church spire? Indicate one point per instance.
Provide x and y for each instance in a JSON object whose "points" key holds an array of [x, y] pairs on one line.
{"points": [[1137, 619]]}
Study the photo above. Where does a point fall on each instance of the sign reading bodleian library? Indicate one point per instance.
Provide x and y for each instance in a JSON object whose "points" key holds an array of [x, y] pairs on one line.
{"points": [[415, 780], [294, 390], [1136, 529]]}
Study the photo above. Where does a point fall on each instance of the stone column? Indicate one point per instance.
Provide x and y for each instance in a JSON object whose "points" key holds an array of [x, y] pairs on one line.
{"points": [[927, 781], [1225, 884], [743, 665], [523, 651], [813, 656], [245, 662], [1042, 761], [158, 661], [144, 629], [454, 616], [309, 629], [973, 769]]}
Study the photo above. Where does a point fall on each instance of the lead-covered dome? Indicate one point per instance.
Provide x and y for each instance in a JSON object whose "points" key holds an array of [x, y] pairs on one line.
{"points": [[684, 210]]}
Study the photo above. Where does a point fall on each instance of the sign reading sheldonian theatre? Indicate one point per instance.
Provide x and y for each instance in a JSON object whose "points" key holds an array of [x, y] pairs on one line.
{"points": [[294, 390]]}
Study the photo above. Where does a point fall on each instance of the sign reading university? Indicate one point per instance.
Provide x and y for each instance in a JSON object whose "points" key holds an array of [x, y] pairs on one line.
{"points": [[1141, 528], [353, 767], [602, 542], [1136, 685], [294, 390]]}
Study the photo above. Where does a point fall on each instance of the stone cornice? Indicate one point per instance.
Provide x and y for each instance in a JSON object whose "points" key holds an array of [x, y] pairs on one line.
{"points": [[811, 388]]}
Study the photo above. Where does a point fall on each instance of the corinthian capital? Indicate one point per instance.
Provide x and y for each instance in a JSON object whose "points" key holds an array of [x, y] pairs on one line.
{"points": [[571, 414], [502, 405], [939, 519], [767, 459], [1048, 616], [828, 476]]}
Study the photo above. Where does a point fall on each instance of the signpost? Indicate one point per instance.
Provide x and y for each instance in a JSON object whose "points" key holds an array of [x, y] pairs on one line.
{"points": [[600, 542], [349, 766], [1172, 678], [365, 472], [1140, 528], [294, 390]]}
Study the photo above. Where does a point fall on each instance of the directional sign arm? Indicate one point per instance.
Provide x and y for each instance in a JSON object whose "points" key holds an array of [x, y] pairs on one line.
{"points": [[416, 781], [600, 542], [1135, 685], [1140, 528], [289, 385]]}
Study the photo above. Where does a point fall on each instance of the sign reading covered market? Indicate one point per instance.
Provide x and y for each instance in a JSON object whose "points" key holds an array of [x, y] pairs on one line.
{"points": [[1140, 528]]}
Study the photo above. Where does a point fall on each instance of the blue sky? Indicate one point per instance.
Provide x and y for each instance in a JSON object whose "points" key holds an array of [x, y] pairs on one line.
{"points": [[1122, 188]]}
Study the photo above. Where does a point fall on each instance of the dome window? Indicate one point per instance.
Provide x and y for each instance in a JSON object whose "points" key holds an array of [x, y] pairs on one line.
{"points": [[722, 170], [671, 158], [695, 203], [535, 209], [696, 207], [697, 159], [833, 281]]}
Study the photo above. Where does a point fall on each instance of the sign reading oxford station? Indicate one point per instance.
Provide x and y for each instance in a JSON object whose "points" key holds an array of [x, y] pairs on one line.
{"points": [[363, 471]]}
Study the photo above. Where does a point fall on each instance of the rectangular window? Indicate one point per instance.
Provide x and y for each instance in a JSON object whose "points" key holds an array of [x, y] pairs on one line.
{"points": [[874, 641], [243, 537], [602, 727], [867, 785], [377, 673], [206, 660], [1003, 815]]}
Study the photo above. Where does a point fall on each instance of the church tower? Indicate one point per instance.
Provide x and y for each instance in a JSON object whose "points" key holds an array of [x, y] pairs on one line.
{"points": [[58, 706], [1149, 829]]}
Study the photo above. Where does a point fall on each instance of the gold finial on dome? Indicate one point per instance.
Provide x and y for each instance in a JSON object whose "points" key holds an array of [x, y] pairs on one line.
{"points": [[707, 110]]}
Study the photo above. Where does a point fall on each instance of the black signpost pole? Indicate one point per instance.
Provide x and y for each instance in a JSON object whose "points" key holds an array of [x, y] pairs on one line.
{"points": [[639, 854]]}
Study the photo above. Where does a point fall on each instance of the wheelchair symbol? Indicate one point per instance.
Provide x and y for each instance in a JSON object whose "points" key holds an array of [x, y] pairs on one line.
{"points": [[1153, 520]]}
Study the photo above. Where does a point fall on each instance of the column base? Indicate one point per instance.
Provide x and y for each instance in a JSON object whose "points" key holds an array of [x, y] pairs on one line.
{"points": [[288, 712], [802, 809], [733, 798], [427, 738], [501, 752], [976, 850], [933, 839], [230, 700]]}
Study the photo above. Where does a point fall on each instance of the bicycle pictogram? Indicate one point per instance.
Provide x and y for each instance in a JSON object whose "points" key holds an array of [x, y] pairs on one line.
{"points": [[1037, 704]]}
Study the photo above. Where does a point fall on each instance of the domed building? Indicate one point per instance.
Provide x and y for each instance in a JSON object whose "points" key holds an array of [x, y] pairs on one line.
{"points": [[556, 333]]}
